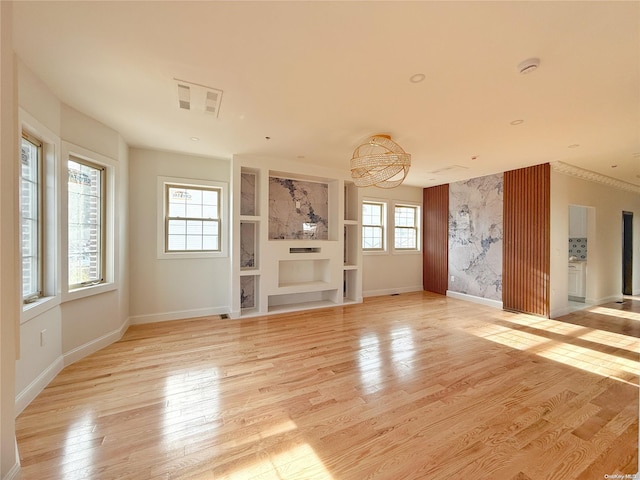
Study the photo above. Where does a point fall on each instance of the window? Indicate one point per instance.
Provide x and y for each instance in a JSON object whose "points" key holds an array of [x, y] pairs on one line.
{"points": [[373, 224], [405, 227], [31, 217], [192, 222], [86, 223]]}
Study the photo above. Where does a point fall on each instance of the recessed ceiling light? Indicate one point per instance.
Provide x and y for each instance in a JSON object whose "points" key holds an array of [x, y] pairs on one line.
{"points": [[529, 65], [574, 145], [417, 77], [517, 122], [195, 139], [267, 138]]}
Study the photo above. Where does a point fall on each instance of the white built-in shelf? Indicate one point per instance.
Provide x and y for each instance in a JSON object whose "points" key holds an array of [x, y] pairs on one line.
{"points": [[249, 271], [249, 218], [299, 287], [350, 222], [292, 307], [347, 266]]}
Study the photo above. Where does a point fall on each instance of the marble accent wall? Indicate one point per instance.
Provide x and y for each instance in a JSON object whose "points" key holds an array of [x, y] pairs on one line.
{"points": [[475, 237], [248, 245], [247, 291], [298, 209], [248, 194]]}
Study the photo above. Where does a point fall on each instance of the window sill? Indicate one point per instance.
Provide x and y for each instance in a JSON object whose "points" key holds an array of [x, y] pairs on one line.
{"points": [[375, 252], [88, 291], [189, 255], [40, 306]]}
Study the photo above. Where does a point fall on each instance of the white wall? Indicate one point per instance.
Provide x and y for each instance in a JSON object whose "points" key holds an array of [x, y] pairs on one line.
{"points": [[9, 231], [74, 325], [604, 265], [161, 288], [392, 272]]}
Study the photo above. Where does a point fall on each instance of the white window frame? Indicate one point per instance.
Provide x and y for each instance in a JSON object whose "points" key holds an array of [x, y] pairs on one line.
{"points": [[417, 228], [110, 248], [161, 222], [376, 251], [36, 217], [100, 224], [50, 283]]}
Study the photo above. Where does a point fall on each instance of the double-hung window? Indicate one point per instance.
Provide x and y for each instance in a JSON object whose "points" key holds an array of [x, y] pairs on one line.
{"points": [[31, 207], [373, 226], [86, 223], [406, 227], [192, 218]]}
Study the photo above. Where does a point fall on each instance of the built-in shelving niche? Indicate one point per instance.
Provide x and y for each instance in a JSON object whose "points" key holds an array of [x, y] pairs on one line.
{"points": [[248, 245], [284, 261], [249, 293], [249, 199]]}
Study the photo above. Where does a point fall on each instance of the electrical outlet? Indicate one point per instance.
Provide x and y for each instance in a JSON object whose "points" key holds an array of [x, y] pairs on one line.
{"points": [[453, 279], [43, 337]]}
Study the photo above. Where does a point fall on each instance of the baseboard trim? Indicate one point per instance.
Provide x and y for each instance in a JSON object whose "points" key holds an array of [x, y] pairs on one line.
{"points": [[391, 291], [14, 473], [178, 315], [93, 346], [31, 391], [472, 298], [600, 301]]}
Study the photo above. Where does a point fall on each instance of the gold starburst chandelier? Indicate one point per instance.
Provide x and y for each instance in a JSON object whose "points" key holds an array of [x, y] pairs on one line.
{"points": [[379, 162]]}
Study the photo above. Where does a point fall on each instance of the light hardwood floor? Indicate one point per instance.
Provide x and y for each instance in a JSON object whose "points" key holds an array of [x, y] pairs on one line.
{"points": [[414, 386]]}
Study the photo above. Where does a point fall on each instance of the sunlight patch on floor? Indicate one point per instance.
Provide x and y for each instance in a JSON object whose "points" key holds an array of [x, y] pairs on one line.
{"points": [[594, 361], [613, 312], [296, 463], [594, 335], [261, 433]]}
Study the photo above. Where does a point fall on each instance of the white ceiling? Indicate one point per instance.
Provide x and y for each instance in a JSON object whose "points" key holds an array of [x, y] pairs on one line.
{"points": [[319, 77]]}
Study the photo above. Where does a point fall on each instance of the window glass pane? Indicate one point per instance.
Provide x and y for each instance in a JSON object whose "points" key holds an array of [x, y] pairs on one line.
{"points": [[210, 211], [177, 227], [209, 228], [177, 209], [177, 242], [210, 242], [199, 206], [194, 211], [371, 214], [30, 189], [194, 242], [210, 197], [194, 196], [372, 237], [405, 238], [405, 216], [85, 205], [194, 227]]}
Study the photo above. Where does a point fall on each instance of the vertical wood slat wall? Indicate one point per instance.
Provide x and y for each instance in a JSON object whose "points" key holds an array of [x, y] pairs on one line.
{"points": [[435, 239], [526, 243]]}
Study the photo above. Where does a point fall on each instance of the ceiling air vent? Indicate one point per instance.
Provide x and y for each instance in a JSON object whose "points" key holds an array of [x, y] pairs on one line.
{"points": [[198, 98]]}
